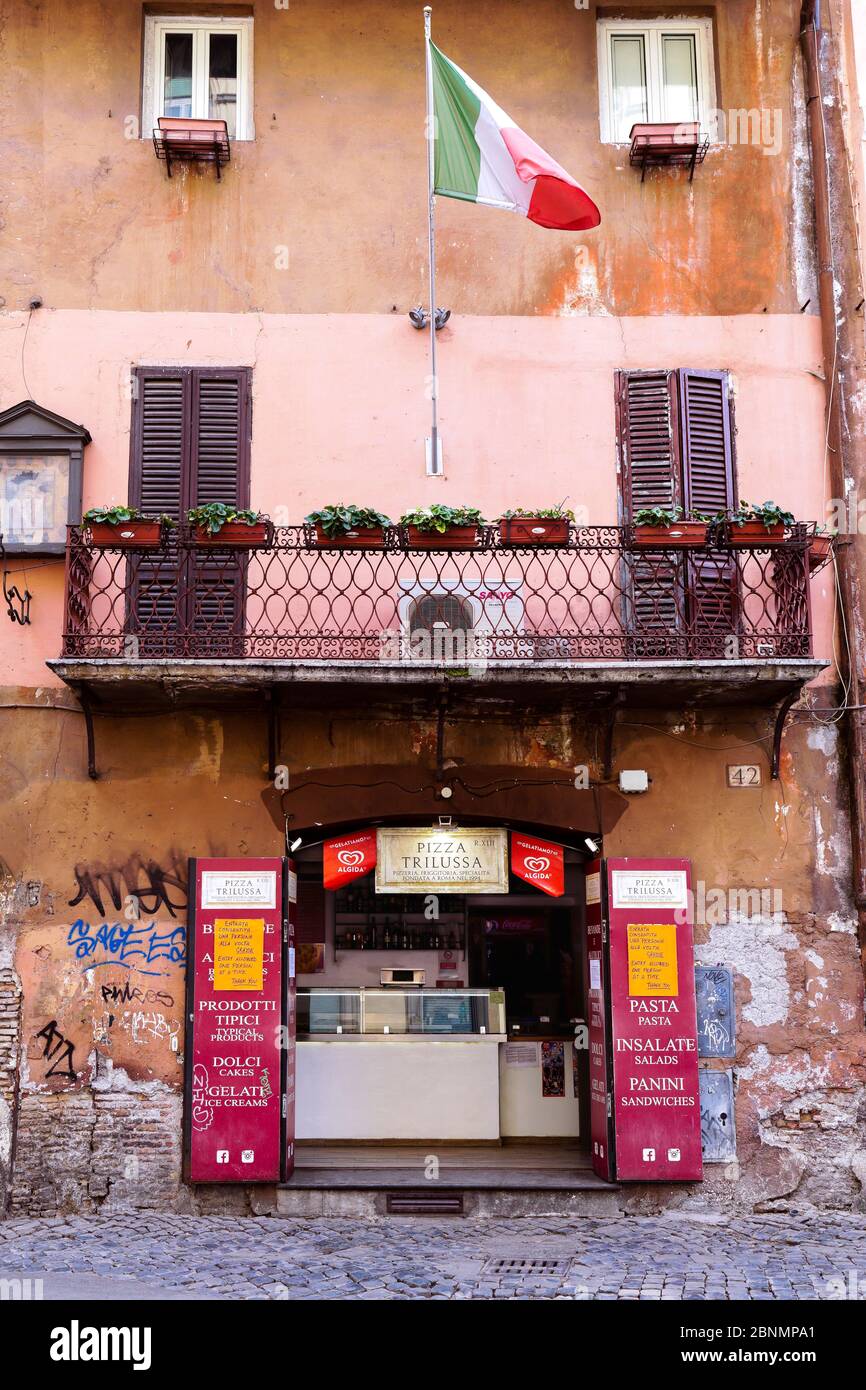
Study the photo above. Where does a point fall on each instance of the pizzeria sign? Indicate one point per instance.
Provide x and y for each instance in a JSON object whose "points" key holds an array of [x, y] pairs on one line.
{"points": [[427, 861]]}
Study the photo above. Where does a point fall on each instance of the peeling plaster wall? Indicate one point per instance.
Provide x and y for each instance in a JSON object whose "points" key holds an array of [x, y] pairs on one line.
{"points": [[100, 1084], [112, 231]]}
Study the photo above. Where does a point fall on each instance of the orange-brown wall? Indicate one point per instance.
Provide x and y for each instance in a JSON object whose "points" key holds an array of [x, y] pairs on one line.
{"points": [[337, 171]]}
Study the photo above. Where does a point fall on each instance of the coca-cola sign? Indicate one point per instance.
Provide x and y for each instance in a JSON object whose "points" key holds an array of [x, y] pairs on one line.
{"points": [[538, 862], [348, 857]]}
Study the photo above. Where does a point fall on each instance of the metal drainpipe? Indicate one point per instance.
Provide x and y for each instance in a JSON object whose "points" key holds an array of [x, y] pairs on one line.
{"points": [[837, 351]]}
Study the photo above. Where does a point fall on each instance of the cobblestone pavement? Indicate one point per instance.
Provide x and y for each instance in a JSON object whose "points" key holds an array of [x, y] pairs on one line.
{"points": [[141, 1254]]}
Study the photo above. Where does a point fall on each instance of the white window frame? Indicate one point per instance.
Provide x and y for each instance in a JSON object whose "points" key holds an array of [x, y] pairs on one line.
{"points": [[155, 29], [652, 31]]}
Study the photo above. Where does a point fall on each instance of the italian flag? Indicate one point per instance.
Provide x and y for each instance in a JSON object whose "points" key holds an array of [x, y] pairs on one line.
{"points": [[483, 157]]}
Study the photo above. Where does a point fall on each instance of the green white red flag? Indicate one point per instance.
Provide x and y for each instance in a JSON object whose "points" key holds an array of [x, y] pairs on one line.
{"points": [[481, 156]]}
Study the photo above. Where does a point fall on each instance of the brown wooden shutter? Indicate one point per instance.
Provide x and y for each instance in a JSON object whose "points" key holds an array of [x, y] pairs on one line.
{"points": [[708, 487], [190, 444], [220, 449], [650, 476], [649, 440]]}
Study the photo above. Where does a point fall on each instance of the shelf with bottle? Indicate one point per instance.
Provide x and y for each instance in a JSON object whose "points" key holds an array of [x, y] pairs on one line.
{"points": [[396, 936]]}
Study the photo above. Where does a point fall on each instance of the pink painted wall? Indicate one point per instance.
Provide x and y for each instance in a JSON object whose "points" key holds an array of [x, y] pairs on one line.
{"points": [[527, 412]]}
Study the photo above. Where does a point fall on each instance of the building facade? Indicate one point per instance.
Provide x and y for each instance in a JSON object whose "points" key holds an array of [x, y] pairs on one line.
{"points": [[176, 332]]}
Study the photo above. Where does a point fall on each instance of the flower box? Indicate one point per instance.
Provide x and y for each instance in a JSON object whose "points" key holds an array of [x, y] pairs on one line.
{"points": [[361, 538], [820, 550], [680, 535], [534, 530], [755, 535], [126, 535], [235, 535], [454, 538]]}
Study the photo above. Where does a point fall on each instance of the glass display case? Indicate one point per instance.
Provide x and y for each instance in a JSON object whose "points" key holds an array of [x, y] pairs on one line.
{"points": [[421, 1013]]}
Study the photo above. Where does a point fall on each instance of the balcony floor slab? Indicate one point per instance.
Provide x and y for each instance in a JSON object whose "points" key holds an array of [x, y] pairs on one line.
{"points": [[125, 683]]}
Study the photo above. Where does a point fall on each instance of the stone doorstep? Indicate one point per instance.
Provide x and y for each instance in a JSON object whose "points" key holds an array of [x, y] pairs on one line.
{"points": [[367, 1202]]}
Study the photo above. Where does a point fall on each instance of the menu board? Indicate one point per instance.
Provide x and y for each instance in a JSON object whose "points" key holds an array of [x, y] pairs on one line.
{"points": [[240, 1022], [656, 1091]]}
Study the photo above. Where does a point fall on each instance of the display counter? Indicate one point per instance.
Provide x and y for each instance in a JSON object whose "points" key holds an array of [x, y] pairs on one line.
{"points": [[398, 1064]]}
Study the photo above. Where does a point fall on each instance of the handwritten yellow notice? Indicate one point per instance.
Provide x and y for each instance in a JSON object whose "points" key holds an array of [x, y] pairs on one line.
{"points": [[652, 958], [239, 952]]}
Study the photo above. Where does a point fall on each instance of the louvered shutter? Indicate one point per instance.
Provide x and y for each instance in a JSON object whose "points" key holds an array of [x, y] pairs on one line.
{"points": [[650, 476], [220, 437], [159, 468], [708, 487], [190, 444]]}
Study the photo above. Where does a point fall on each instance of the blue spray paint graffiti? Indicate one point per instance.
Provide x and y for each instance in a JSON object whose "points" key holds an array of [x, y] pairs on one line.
{"points": [[136, 945]]}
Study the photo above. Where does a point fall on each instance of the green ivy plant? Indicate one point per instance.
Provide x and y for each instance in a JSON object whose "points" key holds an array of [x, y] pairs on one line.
{"points": [[440, 518], [339, 520], [543, 513], [770, 513], [212, 516], [115, 516], [665, 516]]}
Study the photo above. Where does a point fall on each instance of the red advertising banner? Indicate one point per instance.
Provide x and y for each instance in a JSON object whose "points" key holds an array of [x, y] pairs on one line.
{"points": [[653, 1021], [238, 1048], [538, 862], [599, 1044], [348, 857]]}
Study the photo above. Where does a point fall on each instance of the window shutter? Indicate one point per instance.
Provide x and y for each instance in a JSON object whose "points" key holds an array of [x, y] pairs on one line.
{"points": [[190, 444], [650, 476], [649, 443], [220, 450], [708, 467], [708, 487]]}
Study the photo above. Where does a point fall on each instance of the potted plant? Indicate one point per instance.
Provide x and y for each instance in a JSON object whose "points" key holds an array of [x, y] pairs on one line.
{"points": [[535, 526], [438, 527], [751, 525], [220, 524], [124, 528], [349, 527], [667, 526], [820, 548]]}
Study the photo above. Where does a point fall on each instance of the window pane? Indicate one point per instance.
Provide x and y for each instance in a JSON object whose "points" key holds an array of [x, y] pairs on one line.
{"points": [[177, 81], [628, 74], [223, 80], [679, 77]]}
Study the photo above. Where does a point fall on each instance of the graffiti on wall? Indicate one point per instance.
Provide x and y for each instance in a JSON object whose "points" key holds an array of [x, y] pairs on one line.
{"points": [[144, 883], [142, 946], [57, 1050]]}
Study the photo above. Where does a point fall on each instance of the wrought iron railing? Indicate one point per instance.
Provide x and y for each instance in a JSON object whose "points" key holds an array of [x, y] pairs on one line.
{"points": [[595, 599]]}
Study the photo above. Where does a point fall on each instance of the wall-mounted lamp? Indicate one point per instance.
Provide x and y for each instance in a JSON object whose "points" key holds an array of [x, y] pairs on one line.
{"points": [[592, 845]]}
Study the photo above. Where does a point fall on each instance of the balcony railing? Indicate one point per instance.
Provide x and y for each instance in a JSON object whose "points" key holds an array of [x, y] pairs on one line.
{"points": [[596, 599]]}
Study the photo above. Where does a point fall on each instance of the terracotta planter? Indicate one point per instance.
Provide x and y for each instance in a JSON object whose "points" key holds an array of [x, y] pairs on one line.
{"points": [[362, 538], [455, 538], [125, 535], [534, 530], [754, 535], [235, 535], [820, 550], [680, 535]]}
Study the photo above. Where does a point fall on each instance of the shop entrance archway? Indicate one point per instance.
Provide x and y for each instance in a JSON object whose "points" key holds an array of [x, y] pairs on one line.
{"points": [[382, 1077]]}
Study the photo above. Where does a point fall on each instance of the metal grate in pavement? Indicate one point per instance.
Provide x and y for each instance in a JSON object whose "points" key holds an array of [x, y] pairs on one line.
{"points": [[526, 1266]]}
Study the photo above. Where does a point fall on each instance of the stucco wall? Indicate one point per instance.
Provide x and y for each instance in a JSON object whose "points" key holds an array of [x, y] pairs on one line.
{"points": [[340, 412], [99, 1076], [336, 178]]}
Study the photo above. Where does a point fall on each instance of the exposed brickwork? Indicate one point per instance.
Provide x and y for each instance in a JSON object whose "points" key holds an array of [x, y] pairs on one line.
{"points": [[97, 1148], [10, 1030]]}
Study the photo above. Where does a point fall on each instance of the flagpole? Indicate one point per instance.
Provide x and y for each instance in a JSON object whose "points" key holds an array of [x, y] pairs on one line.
{"points": [[433, 463]]}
